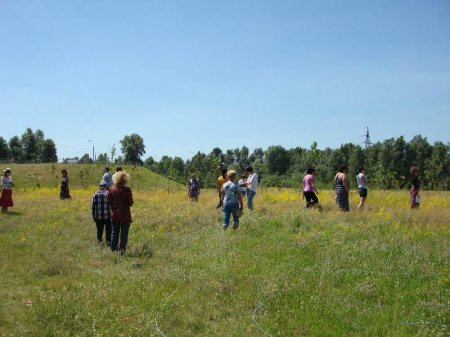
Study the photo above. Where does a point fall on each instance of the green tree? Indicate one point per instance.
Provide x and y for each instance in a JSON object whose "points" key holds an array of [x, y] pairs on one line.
{"points": [[277, 160], [151, 164], [29, 142], [4, 149], [200, 163], [356, 160], [418, 151], [15, 148], [102, 158], [258, 153], [438, 167], [85, 159], [313, 155], [243, 160], [48, 151], [133, 148], [259, 167], [164, 165], [112, 151], [178, 166]]}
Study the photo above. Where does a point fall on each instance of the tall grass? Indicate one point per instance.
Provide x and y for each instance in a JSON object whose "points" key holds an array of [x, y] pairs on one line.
{"points": [[286, 272]]}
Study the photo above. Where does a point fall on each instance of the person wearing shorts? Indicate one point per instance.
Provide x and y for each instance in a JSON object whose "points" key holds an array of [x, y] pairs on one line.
{"points": [[361, 180], [309, 191]]}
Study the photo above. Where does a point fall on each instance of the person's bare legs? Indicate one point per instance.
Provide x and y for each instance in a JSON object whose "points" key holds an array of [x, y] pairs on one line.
{"points": [[362, 201]]}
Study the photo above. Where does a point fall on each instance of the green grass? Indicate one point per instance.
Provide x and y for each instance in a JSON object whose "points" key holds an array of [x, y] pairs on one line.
{"points": [[383, 272], [35, 176]]}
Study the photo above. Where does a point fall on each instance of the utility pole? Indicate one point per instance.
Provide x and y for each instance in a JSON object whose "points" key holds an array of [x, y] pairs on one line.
{"points": [[93, 151]]}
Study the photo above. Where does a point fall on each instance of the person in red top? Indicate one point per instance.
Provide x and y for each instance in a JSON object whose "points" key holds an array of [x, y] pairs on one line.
{"points": [[120, 199]]}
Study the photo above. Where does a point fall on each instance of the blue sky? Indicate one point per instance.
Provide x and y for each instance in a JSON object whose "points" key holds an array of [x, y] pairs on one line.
{"points": [[192, 75]]}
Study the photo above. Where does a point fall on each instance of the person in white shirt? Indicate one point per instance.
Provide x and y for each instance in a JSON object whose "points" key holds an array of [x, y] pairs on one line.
{"points": [[6, 194], [361, 180], [252, 185]]}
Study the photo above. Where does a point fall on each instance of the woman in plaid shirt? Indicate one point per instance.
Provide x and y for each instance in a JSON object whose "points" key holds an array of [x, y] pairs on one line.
{"points": [[120, 199]]}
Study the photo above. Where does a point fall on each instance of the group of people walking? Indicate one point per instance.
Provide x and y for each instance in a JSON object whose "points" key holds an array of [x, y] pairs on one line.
{"points": [[110, 208], [342, 188]]}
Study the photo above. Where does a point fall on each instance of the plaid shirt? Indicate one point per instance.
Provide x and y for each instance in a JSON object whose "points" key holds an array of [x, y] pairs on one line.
{"points": [[100, 207], [120, 200]]}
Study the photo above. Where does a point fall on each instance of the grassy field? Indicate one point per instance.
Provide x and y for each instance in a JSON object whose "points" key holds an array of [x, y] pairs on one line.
{"points": [[286, 272], [83, 176]]}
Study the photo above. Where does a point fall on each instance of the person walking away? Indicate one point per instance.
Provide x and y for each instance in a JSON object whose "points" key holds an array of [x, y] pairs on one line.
{"points": [[309, 190], [118, 169], [252, 185], [361, 180], [107, 179], [220, 181], [414, 187], [342, 189], [232, 201], [120, 199], [64, 192], [6, 200], [194, 188], [243, 186], [102, 214]]}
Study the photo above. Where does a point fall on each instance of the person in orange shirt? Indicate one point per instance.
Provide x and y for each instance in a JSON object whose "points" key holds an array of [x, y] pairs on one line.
{"points": [[220, 181]]}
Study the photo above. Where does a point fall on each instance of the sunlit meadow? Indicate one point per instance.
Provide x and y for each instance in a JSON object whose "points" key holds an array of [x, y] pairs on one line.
{"points": [[286, 272]]}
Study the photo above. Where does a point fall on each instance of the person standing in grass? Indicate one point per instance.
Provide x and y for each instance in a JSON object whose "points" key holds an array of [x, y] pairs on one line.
{"points": [[309, 190], [107, 178], [101, 213], [252, 185], [120, 199], [414, 187], [220, 181], [361, 180], [6, 200], [342, 189], [243, 186], [64, 192], [193, 188], [232, 201]]}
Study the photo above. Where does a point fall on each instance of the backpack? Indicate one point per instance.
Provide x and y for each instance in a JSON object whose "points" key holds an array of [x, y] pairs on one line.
{"points": [[194, 187]]}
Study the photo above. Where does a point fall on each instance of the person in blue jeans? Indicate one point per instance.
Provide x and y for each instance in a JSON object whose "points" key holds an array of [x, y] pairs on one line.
{"points": [[252, 185], [120, 199], [232, 201]]}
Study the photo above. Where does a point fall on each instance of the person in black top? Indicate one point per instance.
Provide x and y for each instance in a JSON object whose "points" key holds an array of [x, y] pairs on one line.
{"points": [[415, 187]]}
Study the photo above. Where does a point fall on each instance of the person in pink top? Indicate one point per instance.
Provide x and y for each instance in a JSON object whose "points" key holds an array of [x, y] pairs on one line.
{"points": [[309, 191]]}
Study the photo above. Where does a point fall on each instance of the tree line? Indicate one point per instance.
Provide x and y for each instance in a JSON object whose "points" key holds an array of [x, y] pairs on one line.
{"points": [[387, 164], [31, 147]]}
